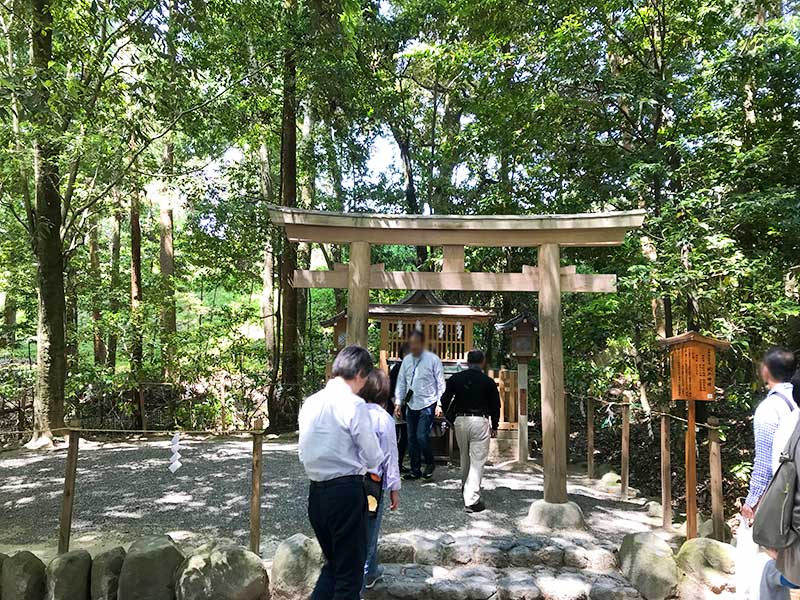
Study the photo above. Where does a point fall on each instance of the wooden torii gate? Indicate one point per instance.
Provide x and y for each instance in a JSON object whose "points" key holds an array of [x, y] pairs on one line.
{"points": [[453, 233]]}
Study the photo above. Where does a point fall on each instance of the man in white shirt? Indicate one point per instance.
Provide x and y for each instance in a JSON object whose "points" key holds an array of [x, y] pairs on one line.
{"points": [[777, 368], [338, 447], [420, 385]]}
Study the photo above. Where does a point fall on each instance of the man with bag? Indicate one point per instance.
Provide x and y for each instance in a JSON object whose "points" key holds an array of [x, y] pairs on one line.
{"points": [[777, 368], [769, 506], [420, 385]]}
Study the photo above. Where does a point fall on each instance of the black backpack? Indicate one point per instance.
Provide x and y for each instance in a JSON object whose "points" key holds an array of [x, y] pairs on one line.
{"points": [[774, 521]]}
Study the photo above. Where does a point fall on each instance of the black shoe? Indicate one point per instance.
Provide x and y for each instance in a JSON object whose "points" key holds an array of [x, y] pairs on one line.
{"points": [[404, 470], [427, 472], [411, 476], [475, 508]]}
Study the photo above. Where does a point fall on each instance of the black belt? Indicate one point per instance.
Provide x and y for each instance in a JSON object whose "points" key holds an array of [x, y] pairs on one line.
{"points": [[464, 414], [338, 481]]}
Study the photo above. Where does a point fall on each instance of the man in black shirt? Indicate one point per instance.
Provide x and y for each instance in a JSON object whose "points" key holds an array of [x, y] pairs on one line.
{"points": [[471, 397]]}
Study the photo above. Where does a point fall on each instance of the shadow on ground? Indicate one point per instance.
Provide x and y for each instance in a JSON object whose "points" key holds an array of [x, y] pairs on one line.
{"points": [[124, 490]]}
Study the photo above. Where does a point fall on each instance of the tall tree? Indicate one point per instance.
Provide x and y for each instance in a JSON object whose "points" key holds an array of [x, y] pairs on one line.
{"points": [[46, 216], [98, 342], [136, 299], [114, 291], [290, 358]]}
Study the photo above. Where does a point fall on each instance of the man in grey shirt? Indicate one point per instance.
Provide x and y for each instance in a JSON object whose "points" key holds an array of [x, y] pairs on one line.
{"points": [[420, 386]]}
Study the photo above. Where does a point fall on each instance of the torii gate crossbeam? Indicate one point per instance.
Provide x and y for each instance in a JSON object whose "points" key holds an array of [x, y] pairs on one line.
{"points": [[453, 233]]}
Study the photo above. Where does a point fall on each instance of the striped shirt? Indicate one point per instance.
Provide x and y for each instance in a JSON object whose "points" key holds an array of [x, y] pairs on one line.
{"points": [[774, 408]]}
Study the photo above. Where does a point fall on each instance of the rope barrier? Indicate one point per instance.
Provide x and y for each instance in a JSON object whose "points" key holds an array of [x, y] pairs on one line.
{"points": [[652, 412]]}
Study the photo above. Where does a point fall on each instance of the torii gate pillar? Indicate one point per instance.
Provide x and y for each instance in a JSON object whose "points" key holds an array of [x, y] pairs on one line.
{"points": [[551, 360], [358, 294]]}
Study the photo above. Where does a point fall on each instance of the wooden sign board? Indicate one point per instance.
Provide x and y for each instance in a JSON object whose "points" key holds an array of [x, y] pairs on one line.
{"points": [[692, 366], [693, 360]]}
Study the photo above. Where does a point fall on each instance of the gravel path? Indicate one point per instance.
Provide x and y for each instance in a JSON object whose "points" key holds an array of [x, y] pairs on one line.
{"points": [[125, 490]]}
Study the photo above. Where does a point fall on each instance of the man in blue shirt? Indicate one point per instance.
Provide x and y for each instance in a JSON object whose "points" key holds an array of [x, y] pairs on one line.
{"points": [[420, 386], [777, 368]]}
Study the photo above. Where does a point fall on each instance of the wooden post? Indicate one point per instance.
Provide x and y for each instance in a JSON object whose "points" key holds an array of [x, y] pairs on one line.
{"points": [[666, 475], [715, 465], [255, 491], [141, 408], [68, 498], [522, 383], [453, 259], [691, 473], [358, 293], [590, 438], [626, 450], [554, 442]]}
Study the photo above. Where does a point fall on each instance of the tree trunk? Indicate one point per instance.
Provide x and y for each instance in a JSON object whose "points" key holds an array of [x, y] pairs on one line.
{"points": [[113, 302], [100, 355], [443, 180], [9, 332], [166, 261], [71, 320], [51, 352], [335, 170], [137, 318], [289, 400], [267, 303], [410, 190], [307, 200]]}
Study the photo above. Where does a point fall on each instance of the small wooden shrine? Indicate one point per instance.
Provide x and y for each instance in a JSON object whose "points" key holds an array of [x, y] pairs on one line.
{"points": [[449, 328]]}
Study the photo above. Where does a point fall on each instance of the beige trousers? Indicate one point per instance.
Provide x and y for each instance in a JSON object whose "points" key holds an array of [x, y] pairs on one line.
{"points": [[473, 435]]}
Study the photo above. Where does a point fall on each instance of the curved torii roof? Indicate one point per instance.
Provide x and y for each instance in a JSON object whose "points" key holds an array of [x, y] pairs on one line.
{"points": [[587, 229]]}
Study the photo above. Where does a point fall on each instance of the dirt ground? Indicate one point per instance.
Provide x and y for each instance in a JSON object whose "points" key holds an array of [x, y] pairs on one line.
{"points": [[124, 490]]}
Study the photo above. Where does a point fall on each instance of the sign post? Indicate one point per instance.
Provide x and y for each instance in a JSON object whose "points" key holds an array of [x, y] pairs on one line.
{"points": [[692, 360]]}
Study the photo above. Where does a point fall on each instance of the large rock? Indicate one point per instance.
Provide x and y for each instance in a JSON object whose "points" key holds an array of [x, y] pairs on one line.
{"points": [[23, 577], [556, 516], [295, 568], [68, 576], [607, 588], [395, 548], [222, 572], [593, 559], [708, 561], [105, 574], [647, 562], [654, 509], [518, 586], [148, 571]]}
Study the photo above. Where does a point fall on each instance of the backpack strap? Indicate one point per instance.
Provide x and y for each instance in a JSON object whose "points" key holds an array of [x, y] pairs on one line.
{"points": [[789, 403], [793, 442]]}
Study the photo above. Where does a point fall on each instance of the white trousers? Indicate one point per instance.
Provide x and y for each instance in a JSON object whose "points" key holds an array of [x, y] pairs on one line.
{"points": [[473, 435]]}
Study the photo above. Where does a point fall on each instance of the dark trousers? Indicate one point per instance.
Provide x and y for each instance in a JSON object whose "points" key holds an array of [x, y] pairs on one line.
{"points": [[420, 423], [402, 442], [338, 513]]}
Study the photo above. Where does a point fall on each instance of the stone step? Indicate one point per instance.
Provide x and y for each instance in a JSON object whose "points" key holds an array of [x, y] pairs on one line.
{"points": [[462, 549], [481, 582]]}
